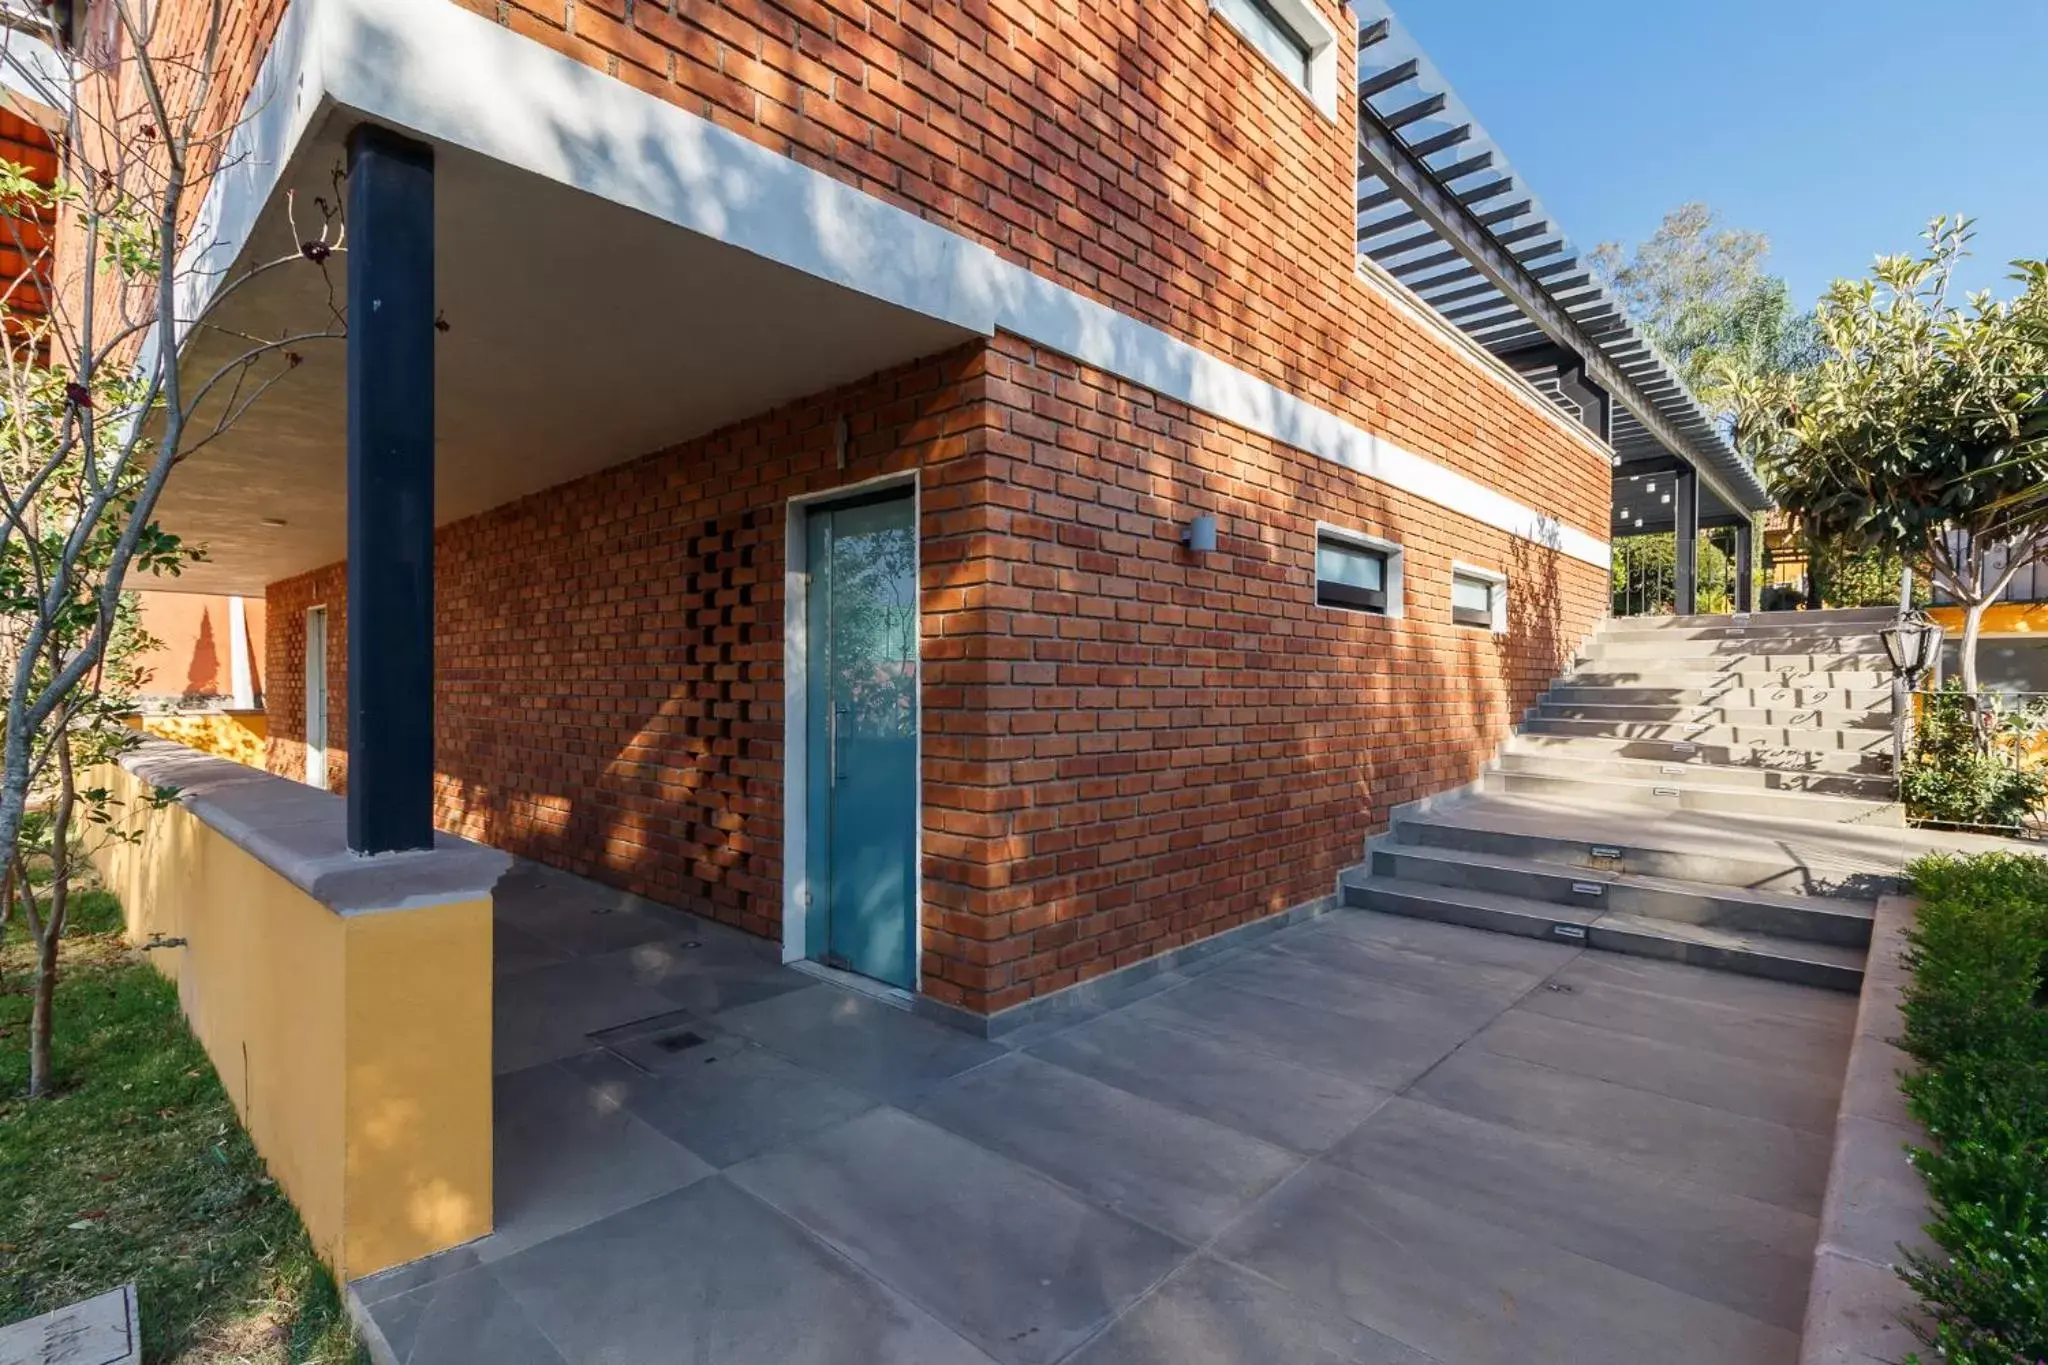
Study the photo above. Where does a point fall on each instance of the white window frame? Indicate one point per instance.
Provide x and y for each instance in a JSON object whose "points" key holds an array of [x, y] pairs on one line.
{"points": [[1497, 598], [321, 686], [1308, 27], [1396, 576]]}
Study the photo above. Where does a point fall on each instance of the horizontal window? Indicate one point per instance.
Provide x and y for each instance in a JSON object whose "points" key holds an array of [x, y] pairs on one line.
{"points": [[1272, 35], [1478, 599], [1295, 37], [1349, 575]]}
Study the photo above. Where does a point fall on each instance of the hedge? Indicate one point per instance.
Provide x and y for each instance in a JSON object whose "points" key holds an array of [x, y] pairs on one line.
{"points": [[1977, 1022]]}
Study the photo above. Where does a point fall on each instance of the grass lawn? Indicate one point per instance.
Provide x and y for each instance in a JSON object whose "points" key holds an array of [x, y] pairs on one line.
{"points": [[138, 1170]]}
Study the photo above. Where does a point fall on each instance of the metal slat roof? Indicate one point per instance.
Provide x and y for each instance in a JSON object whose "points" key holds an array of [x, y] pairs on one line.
{"points": [[1506, 274]]}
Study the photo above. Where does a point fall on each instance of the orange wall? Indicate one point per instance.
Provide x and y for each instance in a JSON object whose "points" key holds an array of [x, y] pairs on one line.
{"points": [[193, 659]]}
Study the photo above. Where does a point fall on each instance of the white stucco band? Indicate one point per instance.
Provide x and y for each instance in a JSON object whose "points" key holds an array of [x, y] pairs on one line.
{"points": [[454, 77]]}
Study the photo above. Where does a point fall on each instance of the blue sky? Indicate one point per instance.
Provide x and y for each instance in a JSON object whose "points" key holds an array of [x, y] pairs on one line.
{"points": [[1838, 127]]}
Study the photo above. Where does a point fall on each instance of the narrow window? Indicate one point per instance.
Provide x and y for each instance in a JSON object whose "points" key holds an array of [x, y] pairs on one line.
{"points": [[1349, 575], [1478, 599], [1269, 33]]}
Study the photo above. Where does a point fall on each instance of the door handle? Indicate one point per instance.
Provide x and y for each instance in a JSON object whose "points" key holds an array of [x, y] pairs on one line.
{"points": [[832, 743]]}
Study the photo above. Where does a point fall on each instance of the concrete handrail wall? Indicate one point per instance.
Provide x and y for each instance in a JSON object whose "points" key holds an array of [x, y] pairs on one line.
{"points": [[344, 1000]]}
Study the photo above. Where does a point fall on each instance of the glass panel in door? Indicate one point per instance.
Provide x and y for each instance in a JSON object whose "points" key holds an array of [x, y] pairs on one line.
{"points": [[862, 728]]}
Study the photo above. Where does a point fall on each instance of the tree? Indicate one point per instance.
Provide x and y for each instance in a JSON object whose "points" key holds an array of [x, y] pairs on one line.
{"points": [[1700, 291], [95, 412], [1913, 433]]}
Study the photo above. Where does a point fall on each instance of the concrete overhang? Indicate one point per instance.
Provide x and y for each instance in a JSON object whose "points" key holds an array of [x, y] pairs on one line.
{"points": [[580, 334]]}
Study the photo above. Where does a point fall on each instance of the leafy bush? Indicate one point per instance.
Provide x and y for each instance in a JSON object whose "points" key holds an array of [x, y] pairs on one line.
{"points": [[1970, 766], [1977, 1024]]}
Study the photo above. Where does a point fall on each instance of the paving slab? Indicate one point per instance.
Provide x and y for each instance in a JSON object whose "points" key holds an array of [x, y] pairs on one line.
{"points": [[1711, 1147], [1017, 1265], [1750, 996], [713, 1275], [1302, 981], [859, 1042], [1173, 1171], [462, 1319], [1465, 1289], [725, 1100], [1731, 1084], [1209, 1313], [1295, 1106], [1385, 1055], [1789, 1044], [1741, 1253], [102, 1330], [569, 1154], [549, 1012], [1330, 944]]}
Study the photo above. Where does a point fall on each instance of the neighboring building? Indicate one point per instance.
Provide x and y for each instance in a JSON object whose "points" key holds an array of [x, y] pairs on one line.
{"points": [[982, 496], [203, 677], [207, 652]]}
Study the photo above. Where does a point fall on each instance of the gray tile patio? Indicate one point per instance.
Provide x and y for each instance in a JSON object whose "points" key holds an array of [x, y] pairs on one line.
{"points": [[1361, 1141]]}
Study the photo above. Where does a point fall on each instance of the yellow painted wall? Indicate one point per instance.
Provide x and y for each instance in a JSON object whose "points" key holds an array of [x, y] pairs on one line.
{"points": [[239, 735], [2000, 618], [357, 1048]]}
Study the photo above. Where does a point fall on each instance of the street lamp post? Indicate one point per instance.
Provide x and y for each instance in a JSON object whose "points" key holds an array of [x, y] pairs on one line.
{"points": [[1911, 645]]}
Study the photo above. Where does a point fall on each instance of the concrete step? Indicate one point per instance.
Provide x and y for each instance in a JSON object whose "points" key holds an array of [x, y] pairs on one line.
{"points": [[1565, 763], [1858, 646], [1798, 739], [1678, 675], [1866, 762], [1723, 849], [1833, 966], [1717, 713], [1811, 919], [1850, 618], [1677, 794], [1828, 700], [1592, 748], [1820, 660]]}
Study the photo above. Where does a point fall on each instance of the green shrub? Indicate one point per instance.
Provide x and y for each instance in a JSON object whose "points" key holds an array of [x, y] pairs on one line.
{"points": [[1959, 771], [1976, 1023]]}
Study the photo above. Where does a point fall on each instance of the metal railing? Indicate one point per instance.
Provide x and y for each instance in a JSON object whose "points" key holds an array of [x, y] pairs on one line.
{"points": [[1645, 575]]}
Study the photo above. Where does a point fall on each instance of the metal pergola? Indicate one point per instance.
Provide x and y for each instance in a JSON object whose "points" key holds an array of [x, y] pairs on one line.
{"points": [[1441, 210]]}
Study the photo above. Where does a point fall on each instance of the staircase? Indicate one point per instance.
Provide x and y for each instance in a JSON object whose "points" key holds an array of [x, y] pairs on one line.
{"points": [[1704, 789]]}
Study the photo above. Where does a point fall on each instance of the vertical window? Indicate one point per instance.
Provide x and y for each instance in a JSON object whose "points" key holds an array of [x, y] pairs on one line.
{"points": [[1272, 35], [1357, 572], [1479, 599]]}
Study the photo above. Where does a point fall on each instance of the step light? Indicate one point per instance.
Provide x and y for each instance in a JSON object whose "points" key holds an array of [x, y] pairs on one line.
{"points": [[1576, 933]]}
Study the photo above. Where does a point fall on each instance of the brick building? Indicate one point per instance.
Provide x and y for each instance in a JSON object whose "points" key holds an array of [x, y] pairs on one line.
{"points": [[983, 494]]}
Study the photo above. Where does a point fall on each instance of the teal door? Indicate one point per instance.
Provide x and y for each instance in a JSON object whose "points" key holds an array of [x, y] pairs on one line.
{"points": [[861, 725]]}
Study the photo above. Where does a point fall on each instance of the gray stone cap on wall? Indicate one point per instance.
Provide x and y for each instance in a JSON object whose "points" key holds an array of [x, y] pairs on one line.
{"points": [[301, 834], [1858, 1309]]}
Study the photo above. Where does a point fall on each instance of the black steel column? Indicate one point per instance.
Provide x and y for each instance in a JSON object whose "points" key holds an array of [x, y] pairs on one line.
{"points": [[1685, 526], [390, 492], [1745, 566]]}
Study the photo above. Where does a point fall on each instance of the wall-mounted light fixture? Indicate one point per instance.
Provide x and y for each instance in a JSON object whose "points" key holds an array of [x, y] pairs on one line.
{"points": [[1200, 535]]}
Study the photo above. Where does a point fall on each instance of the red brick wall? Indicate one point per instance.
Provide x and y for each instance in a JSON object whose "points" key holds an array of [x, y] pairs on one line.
{"points": [[1174, 745], [1138, 151], [609, 657], [1126, 748]]}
